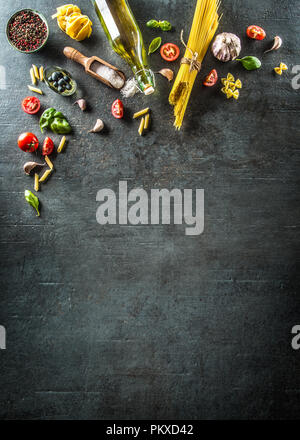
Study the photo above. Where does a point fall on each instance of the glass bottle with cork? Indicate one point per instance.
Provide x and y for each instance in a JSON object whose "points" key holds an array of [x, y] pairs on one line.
{"points": [[126, 39]]}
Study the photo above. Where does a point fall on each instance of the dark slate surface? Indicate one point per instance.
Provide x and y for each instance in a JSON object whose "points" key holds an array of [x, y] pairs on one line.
{"points": [[144, 322]]}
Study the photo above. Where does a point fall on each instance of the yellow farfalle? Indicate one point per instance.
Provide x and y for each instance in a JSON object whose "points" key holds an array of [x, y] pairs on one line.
{"points": [[283, 66], [279, 70], [233, 94], [238, 84], [229, 93], [236, 94], [73, 23], [230, 77], [231, 86]]}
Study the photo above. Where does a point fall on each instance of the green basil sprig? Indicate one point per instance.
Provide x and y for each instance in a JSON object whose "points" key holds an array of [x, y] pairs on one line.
{"points": [[164, 25], [55, 121], [153, 24], [250, 63], [154, 45], [32, 200]]}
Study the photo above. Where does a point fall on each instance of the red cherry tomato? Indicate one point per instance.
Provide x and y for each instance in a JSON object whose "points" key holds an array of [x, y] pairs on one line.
{"points": [[117, 109], [169, 52], [256, 32], [31, 105], [28, 142], [48, 146], [211, 79]]}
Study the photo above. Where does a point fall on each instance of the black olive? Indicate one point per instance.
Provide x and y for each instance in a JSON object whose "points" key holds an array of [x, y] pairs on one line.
{"points": [[66, 78], [55, 76], [55, 84], [50, 79], [68, 86], [61, 82], [61, 89]]}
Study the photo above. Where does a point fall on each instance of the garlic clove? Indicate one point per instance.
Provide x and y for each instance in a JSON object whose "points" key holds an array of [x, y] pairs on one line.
{"points": [[29, 166], [276, 45], [167, 73], [99, 125], [81, 104]]}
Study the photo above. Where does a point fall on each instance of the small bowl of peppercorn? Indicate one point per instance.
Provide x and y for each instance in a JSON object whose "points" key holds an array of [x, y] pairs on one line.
{"points": [[27, 30]]}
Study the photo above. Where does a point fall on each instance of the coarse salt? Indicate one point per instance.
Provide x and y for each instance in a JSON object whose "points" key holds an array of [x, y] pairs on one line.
{"points": [[109, 74], [130, 88]]}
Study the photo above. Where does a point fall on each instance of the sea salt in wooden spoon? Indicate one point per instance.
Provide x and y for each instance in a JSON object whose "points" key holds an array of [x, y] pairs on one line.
{"points": [[98, 68]]}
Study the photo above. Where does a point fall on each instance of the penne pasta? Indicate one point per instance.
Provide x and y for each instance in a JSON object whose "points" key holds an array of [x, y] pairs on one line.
{"points": [[32, 76], [49, 163], [61, 144], [141, 113], [45, 176], [41, 73], [35, 89], [36, 71], [147, 120], [141, 127], [36, 182]]}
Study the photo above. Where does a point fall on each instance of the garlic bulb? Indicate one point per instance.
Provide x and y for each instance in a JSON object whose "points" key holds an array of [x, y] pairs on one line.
{"points": [[226, 47]]}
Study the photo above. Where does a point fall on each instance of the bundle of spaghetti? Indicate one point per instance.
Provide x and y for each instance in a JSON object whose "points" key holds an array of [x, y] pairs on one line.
{"points": [[204, 26]]}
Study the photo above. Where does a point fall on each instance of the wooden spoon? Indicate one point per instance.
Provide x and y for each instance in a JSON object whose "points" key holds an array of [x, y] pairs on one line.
{"points": [[86, 62]]}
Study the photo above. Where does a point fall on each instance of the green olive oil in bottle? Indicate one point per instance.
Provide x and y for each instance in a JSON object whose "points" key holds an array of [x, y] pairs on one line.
{"points": [[126, 39]]}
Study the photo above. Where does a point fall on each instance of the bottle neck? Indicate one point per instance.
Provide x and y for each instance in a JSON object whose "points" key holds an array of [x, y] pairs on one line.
{"points": [[145, 80]]}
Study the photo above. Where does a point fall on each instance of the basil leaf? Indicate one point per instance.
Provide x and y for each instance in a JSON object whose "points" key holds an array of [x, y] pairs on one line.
{"points": [[46, 118], [154, 45], [58, 115], [152, 23], [32, 200], [250, 63], [55, 121], [60, 126], [165, 25]]}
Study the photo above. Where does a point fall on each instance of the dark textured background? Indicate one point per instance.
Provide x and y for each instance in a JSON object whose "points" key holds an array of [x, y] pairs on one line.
{"points": [[144, 322]]}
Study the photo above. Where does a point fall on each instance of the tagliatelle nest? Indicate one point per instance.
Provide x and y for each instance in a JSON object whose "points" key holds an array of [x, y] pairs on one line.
{"points": [[73, 23]]}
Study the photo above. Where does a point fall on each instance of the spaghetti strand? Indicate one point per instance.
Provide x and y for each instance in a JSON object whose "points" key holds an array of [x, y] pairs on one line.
{"points": [[204, 26]]}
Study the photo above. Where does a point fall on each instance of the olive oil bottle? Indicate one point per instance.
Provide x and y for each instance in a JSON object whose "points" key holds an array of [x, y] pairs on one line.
{"points": [[126, 39]]}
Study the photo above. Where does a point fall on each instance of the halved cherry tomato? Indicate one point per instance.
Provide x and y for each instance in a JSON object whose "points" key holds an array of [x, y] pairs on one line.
{"points": [[211, 79], [117, 109], [169, 52], [256, 32], [31, 105], [28, 142], [48, 146]]}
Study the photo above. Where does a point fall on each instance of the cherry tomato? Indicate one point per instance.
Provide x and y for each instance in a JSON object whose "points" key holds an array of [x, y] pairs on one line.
{"points": [[256, 32], [169, 52], [48, 146], [117, 109], [31, 105], [28, 142], [211, 79]]}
